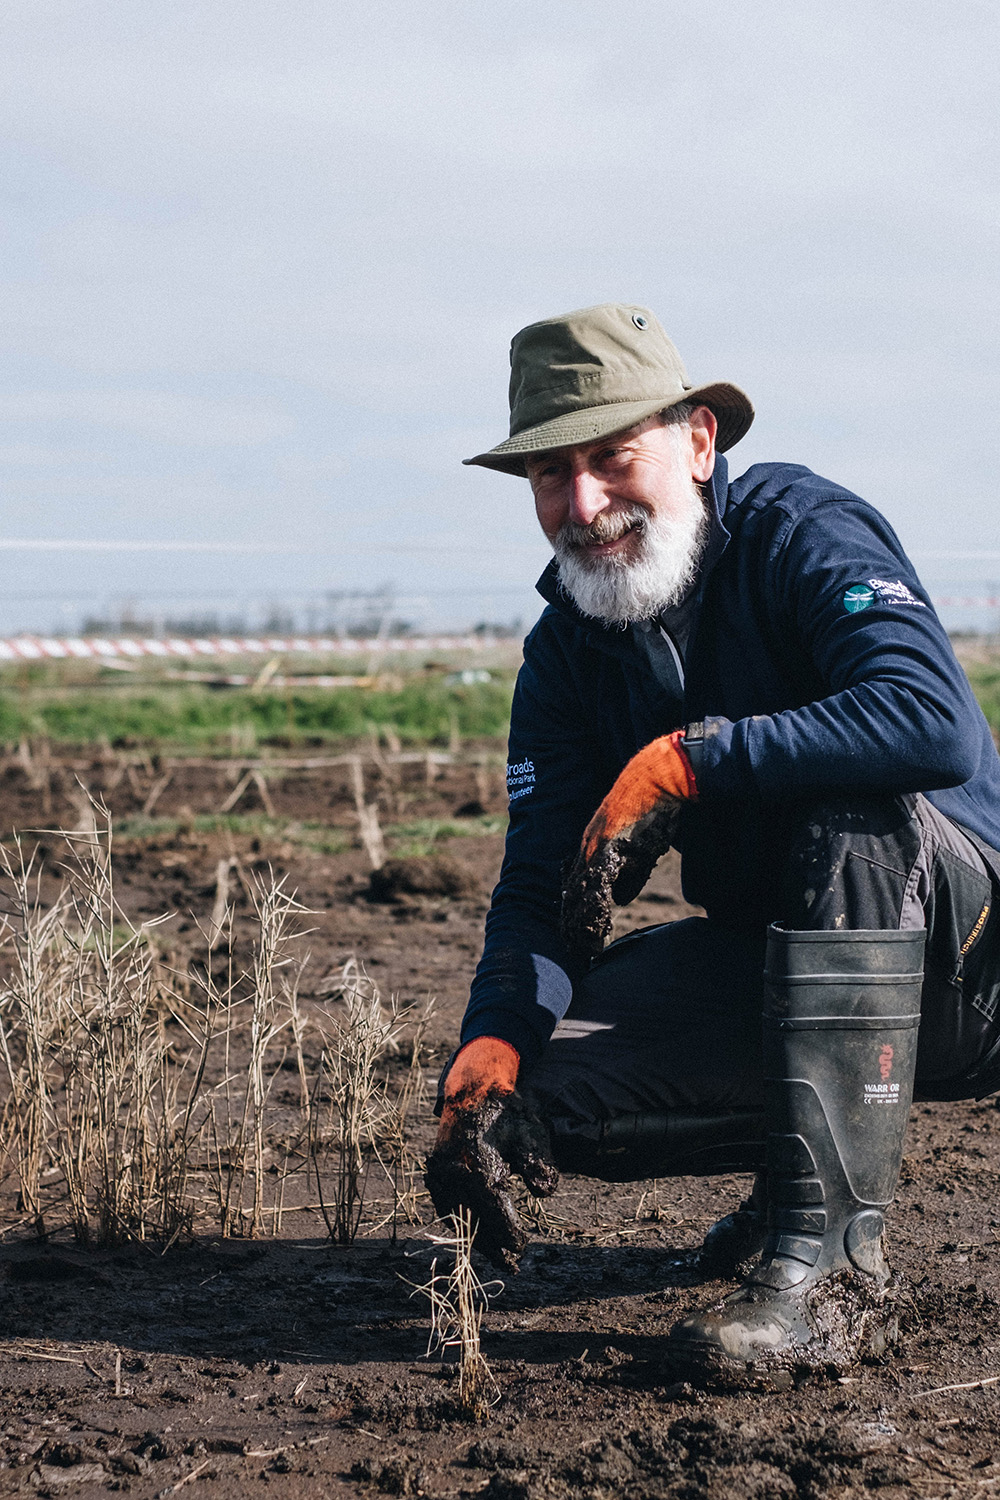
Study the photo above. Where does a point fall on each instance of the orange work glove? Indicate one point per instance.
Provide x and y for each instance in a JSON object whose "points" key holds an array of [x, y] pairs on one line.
{"points": [[486, 1131], [485, 1066], [633, 826]]}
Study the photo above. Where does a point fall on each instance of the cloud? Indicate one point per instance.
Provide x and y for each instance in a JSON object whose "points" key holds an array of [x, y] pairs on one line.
{"points": [[268, 262], [160, 417]]}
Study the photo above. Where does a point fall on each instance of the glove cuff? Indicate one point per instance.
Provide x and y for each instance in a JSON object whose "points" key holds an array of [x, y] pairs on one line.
{"points": [[685, 783], [483, 1066]]}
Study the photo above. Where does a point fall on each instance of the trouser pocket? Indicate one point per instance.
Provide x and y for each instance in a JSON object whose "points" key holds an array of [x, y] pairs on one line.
{"points": [[956, 914]]}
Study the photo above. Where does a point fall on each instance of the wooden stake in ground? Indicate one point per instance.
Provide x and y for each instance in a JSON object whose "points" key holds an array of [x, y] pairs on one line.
{"points": [[454, 734], [155, 792], [223, 870], [265, 674], [253, 777], [368, 824]]}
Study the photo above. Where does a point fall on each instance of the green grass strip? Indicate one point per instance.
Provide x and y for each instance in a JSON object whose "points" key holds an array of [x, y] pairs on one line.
{"points": [[424, 712]]}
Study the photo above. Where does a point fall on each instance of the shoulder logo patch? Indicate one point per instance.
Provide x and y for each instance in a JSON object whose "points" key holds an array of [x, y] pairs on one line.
{"points": [[858, 596], [895, 593], [879, 591]]}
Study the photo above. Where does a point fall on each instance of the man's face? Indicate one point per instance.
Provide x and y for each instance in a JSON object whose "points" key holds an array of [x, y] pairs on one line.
{"points": [[625, 516]]}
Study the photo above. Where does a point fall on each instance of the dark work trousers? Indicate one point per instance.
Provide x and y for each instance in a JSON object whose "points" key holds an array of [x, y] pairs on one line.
{"points": [[669, 1018]]}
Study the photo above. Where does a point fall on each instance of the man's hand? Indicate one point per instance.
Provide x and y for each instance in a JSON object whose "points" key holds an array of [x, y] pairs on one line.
{"points": [[633, 826], [486, 1132]]}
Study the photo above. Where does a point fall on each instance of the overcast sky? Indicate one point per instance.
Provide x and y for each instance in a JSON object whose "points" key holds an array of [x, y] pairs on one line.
{"points": [[263, 261]]}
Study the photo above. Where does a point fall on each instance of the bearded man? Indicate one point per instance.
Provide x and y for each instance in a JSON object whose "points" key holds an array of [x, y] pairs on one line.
{"points": [[751, 673]]}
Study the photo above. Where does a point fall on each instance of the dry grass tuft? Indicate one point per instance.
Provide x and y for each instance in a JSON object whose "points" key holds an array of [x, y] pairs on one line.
{"points": [[136, 1101], [458, 1300], [354, 1091], [92, 1099]]}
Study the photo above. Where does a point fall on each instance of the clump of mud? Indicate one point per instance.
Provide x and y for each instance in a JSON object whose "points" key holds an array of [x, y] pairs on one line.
{"points": [[693, 1458], [397, 1476], [433, 875]]}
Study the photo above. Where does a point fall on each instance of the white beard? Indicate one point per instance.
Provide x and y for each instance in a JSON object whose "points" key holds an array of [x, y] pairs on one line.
{"points": [[663, 566]]}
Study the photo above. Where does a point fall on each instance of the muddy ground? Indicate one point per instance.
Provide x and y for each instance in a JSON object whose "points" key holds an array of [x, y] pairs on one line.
{"points": [[228, 1366]]}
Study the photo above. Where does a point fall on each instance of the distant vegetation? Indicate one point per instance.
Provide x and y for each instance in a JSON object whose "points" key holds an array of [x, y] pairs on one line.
{"points": [[420, 705], [421, 708]]}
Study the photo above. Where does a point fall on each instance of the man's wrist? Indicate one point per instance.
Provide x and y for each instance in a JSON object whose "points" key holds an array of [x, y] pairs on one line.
{"points": [[693, 745]]}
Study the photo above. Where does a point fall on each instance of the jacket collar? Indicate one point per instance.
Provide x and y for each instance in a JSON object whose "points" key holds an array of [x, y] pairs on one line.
{"points": [[618, 638]]}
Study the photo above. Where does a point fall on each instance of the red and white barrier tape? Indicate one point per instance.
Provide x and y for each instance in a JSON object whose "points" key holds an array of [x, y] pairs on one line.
{"points": [[46, 647]]}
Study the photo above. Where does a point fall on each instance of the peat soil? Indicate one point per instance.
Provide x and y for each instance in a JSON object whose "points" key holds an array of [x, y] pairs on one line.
{"points": [[293, 1367]]}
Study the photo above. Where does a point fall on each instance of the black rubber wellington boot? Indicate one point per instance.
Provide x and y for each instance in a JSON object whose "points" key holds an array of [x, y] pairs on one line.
{"points": [[738, 1238], [840, 1042]]}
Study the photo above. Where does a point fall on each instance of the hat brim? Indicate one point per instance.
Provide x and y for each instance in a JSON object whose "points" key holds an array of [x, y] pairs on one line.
{"points": [[732, 408]]}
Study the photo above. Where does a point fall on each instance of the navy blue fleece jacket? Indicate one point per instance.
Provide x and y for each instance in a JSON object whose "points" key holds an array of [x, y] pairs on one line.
{"points": [[817, 665]]}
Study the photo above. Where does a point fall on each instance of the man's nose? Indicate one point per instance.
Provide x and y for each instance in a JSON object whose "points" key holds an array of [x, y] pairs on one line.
{"points": [[586, 497]]}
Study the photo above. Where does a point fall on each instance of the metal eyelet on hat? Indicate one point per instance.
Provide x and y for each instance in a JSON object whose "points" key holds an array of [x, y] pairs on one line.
{"points": [[640, 321]]}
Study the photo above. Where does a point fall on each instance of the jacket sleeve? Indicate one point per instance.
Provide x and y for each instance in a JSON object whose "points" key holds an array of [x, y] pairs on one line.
{"points": [[895, 712], [555, 779]]}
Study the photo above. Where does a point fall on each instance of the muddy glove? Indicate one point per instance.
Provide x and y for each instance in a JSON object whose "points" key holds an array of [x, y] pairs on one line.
{"points": [[633, 826], [487, 1131]]}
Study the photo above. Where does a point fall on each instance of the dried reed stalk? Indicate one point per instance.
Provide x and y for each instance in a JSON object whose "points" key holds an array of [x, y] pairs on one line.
{"points": [[276, 908], [357, 1094], [84, 1050], [30, 1007], [458, 1300], [105, 1108], [236, 1123], [403, 1166]]}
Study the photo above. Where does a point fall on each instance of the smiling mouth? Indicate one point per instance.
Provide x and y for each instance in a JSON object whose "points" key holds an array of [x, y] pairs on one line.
{"points": [[598, 545]]}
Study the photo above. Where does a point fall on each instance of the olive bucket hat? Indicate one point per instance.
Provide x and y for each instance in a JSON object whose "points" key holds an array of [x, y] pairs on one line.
{"points": [[587, 374]]}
